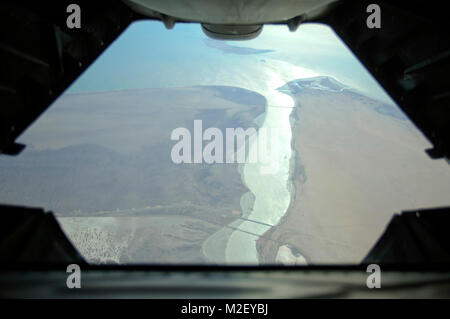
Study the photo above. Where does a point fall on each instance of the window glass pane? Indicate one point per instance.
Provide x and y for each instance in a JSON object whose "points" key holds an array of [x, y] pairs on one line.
{"points": [[176, 148]]}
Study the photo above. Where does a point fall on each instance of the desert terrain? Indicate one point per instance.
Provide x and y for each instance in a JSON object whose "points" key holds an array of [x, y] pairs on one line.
{"points": [[357, 162]]}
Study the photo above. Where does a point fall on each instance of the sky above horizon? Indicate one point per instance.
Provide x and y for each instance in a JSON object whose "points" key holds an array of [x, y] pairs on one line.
{"points": [[146, 55]]}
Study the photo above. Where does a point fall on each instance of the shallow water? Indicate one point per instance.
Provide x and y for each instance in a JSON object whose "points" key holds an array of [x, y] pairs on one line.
{"points": [[268, 180]]}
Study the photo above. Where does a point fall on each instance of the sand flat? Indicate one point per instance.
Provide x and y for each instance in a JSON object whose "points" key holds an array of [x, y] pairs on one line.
{"points": [[355, 168]]}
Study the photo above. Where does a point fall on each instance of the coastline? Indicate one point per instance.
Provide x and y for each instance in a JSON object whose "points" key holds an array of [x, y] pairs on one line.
{"points": [[267, 246], [247, 200], [339, 209]]}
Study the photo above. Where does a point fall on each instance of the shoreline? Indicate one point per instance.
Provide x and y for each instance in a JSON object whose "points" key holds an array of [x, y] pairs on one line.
{"points": [[246, 202], [266, 246]]}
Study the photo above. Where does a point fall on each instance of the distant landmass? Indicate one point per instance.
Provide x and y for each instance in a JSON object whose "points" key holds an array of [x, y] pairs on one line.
{"points": [[317, 82], [327, 83], [233, 49]]}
